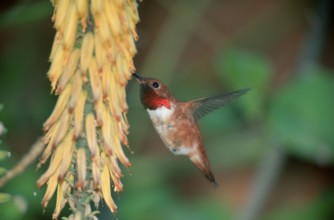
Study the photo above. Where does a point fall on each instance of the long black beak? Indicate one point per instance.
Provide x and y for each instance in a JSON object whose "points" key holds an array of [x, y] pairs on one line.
{"points": [[139, 78]]}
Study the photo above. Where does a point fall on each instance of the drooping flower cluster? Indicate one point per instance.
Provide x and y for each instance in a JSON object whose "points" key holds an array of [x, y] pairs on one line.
{"points": [[91, 62]]}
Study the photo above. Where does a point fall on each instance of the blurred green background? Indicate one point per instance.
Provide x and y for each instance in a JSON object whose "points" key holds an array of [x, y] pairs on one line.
{"points": [[272, 150]]}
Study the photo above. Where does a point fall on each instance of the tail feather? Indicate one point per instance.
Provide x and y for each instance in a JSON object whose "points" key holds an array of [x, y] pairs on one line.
{"points": [[202, 163], [211, 178]]}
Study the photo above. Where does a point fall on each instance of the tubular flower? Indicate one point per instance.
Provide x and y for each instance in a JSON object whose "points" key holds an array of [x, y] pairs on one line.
{"points": [[91, 63]]}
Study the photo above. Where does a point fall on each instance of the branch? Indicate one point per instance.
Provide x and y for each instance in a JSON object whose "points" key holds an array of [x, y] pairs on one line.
{"points": [[21, 166]]}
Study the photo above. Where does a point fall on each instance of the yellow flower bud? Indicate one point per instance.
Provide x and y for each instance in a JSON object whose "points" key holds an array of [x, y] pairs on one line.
{"points": [[61, 11], [69, 69], [67, 155], [76, 91], [59, 108], [105, 186], [53, 168], [81, 168], [91, 135], [50, 190], [97, 7], [100, 52], [61, 201], [79, 115], [102, 29], [57, 67], [94, 79], [70, 29], [82, 8], [96, 173], [87, 48], [112, 17]]}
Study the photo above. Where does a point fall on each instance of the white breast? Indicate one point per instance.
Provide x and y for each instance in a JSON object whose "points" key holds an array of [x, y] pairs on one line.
{"points": [[161, 122], [161, 114]]}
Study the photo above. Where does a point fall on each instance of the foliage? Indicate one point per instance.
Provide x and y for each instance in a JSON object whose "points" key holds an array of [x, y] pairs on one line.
{"points": [[301, 116]]}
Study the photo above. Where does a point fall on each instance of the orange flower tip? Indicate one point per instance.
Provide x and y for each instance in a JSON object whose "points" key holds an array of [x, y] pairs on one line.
{"points": [[83, 74], [133, 70], [99, 123], [118, 189], [53, 18], [105, 98], [109, 152], [96, 185], [125, 109], [67, 52], [93, 157], [61, 177], [84, 78], [59, 36], [70, 110], [121, 176], [127, 163], [117, 118], [111, 59], [45, 140], [45, 127], [114, 211], [84, 24], [96, 100], [59, 90], [40, 185], [75, 137], [45, 203], [79, 186], [117, 172], [125, 142]]}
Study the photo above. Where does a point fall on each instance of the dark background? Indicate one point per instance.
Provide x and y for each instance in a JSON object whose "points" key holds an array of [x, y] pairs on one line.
{"points": [[272, 150]]}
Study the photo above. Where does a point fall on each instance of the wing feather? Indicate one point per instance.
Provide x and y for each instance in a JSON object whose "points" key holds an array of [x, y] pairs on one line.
{"points": [[203, 106]]}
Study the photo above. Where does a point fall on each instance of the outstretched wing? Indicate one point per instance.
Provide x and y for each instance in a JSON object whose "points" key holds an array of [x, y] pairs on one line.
{"points": [[203, 106]]}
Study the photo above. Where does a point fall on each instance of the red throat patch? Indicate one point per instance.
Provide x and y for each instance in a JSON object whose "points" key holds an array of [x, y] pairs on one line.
{"points": [[154, 102], [151, 100]]}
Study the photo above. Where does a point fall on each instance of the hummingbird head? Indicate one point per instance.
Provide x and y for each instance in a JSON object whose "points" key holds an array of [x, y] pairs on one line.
{"points": [[154, 93]]}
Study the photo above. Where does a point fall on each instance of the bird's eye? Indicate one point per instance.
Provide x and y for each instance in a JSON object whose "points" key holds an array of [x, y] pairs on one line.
{"points": [[155, 85]]}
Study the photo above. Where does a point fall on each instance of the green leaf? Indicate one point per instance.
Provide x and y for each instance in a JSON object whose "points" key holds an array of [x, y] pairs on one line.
{"points": [[2, 171], [13, 209], [4, 197], [4, 154], [241, 69], [301, 116]]}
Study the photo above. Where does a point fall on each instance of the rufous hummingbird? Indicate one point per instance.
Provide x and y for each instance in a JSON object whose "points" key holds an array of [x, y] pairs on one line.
{"points": [[177, 122]]}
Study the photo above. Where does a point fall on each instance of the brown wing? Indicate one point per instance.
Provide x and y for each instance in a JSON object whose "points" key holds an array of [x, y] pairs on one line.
{"points": [[203, 106]]}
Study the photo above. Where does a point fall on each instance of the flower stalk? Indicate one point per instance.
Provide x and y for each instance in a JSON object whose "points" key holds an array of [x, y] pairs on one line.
{"points": [[91, 63]]}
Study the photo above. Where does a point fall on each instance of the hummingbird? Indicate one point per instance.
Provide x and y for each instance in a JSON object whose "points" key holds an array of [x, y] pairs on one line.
{"points": [[176, 121]]}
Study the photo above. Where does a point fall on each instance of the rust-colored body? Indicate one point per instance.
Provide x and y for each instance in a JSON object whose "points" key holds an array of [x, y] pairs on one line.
{"points": [[176, 121]]}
